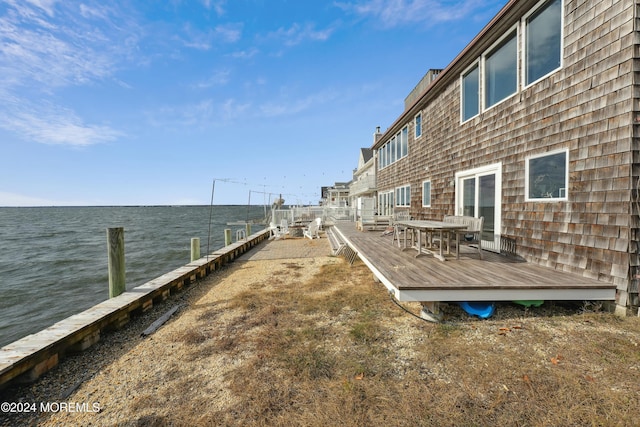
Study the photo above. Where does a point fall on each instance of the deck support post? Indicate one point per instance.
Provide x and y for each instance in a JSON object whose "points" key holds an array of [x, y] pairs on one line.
{"points": [[195, 248], [115, 245], [621, 311], [431, 311]]}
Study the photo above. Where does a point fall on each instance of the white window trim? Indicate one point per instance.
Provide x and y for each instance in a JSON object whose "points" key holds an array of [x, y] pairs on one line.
{"points": [[476, 63], [430, 191], [406, 203], [491, 49], [415, 127], [520, 29], [566, 177], [404, 131], [389, 195], [391, 151], [523, 47]]}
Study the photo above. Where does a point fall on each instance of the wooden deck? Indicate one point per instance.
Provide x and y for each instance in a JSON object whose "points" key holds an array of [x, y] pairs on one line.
{"points": [[496, 278]]}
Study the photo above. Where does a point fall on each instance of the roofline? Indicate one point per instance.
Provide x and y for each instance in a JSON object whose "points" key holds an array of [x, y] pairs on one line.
{"points": [[444, 74]]}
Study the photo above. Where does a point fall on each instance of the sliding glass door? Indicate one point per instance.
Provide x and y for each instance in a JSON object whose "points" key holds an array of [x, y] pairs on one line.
{"points": [[478, 194]]}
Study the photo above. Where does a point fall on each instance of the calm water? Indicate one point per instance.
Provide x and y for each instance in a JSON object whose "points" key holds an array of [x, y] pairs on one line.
{"points": [[53, 261]]}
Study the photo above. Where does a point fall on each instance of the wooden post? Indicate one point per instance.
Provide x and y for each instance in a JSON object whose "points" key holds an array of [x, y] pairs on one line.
{"points": [[115, 246], [227, 236], [195, 248], [248, 230]]}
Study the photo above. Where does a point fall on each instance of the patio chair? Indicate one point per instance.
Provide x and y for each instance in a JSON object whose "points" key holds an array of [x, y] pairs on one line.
{"points": [[311, 231], [284, 227], [399, 230], [472, 235], [402, 215], [275, 231]]}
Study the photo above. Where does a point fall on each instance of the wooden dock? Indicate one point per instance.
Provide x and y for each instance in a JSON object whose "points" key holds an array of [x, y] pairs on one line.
{"points": [[33, 355], [495, 278]]}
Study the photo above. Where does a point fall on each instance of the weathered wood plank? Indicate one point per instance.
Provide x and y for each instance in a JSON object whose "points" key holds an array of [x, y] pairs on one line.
{"points": [[406, 272]]}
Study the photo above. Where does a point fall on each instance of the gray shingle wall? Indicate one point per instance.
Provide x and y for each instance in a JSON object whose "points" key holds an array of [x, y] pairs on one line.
{"points": [[590, 107]]}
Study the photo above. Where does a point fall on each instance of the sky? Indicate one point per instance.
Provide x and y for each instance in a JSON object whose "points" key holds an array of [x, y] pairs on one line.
{"points": [[135, 102]]}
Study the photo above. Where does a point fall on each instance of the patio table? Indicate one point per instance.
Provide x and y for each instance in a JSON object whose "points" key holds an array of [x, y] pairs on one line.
{"points": [[428, 227]]}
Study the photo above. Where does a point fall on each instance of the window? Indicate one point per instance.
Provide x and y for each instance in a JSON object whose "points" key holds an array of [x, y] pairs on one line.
{"points": [[395, 149], [426, 194], [403, 196], [471, 93], [404, 142], [500, 68], [396, 146], [547, 176], [418, 123], [385, 203], [380, 158], [497, 75], [389, 158], [543, 41]]}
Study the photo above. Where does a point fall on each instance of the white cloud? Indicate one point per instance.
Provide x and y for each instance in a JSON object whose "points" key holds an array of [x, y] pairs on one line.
{"points": [[233, 110], [179, 117], [216, 5], [46, 46], [59, 127], [209, 112], [205, 40], [245, 54], [392, 13], [297, 34], [46, 5], [285, 107], [217, 78], [70, 47], [229, 33], [94, 12]]}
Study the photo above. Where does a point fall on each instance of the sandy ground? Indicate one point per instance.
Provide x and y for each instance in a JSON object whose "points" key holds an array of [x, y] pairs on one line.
{"points": [[130, 380], [573, 361]]}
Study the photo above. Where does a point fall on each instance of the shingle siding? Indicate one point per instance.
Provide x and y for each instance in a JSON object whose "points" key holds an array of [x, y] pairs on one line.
{"points": [[590, 107]]}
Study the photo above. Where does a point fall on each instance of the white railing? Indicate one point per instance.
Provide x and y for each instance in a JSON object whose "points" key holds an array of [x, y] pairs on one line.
{"points": [[363, 185], [306, 214]]}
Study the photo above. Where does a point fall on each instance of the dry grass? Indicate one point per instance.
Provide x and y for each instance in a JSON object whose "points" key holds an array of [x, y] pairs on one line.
{"points": [[335, 350], [332, 349]]}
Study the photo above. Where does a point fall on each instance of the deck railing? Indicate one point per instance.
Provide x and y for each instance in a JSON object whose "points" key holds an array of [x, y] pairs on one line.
{"points": [[365, 184], [305, 214]]}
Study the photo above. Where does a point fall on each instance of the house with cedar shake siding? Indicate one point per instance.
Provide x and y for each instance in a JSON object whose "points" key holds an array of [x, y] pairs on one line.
{"points": [[535, 126]]}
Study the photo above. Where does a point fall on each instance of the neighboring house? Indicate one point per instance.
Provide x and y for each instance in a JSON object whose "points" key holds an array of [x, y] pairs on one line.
{"points": [[337, 195], [535, 125], [362, 189]]}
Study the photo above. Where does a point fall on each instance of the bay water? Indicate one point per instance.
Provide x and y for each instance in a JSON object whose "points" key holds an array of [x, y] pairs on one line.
{"points": [[54, 262]]}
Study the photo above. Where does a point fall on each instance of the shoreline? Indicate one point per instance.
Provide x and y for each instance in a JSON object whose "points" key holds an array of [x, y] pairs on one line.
{"points": [[28, 358], [307, 339], [128, 349]]}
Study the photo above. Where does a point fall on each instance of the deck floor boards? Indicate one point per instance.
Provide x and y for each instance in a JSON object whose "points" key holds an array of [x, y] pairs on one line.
{"points": [[401, 269]]}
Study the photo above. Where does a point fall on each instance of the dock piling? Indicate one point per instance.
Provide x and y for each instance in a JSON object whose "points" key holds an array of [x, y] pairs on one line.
{"points": [[227, 236], [195, 248], [115, 246]]}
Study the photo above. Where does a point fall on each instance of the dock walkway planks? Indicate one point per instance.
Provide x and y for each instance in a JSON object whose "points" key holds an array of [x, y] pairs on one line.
{"points": [[496, 278]]}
